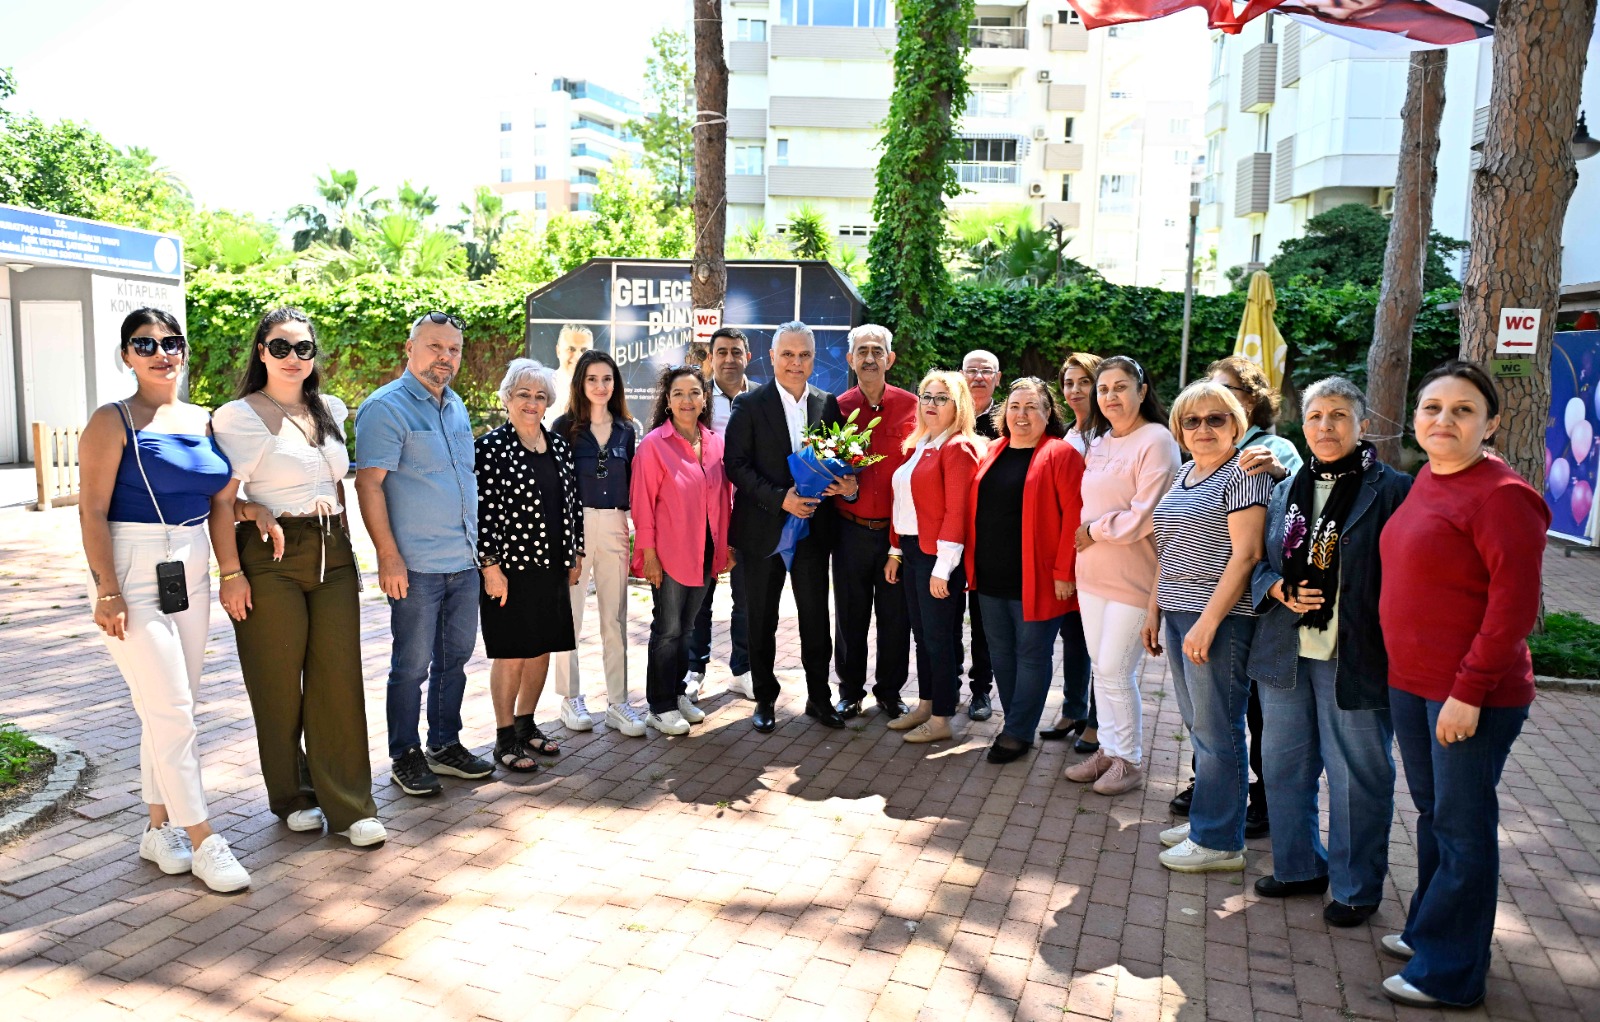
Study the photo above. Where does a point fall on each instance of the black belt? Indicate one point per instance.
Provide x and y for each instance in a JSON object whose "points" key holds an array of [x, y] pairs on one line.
{"points": [[875, 524]]}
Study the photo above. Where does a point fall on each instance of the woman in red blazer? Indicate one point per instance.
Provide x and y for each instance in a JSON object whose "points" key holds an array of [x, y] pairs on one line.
{"points": [[1022, 512], [928, 531]]}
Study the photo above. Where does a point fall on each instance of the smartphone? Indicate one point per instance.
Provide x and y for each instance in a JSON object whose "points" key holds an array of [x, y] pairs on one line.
{"points": [[172, 587]]}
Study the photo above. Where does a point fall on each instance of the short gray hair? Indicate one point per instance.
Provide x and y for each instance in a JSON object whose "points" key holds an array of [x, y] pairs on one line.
{"points": [[794, 326], [871, 332], [1339, 387], [983, 354], [519, 370]]}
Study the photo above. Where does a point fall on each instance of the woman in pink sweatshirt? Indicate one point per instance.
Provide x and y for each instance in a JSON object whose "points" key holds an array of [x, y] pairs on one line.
{"points": [[1129, 464]]}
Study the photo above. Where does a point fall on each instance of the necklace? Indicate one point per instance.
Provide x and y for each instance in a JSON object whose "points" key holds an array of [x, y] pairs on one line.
{"points": [[538, 448], [694, 440], [290, 418]]}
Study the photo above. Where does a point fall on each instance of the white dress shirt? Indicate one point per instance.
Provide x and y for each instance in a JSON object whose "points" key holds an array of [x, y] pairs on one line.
{"points": [[794, 413], [721, 409], [904, 514]]}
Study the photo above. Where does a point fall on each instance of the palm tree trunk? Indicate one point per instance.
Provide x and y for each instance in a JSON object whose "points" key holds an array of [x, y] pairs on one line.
{"points": [[709, 280]]}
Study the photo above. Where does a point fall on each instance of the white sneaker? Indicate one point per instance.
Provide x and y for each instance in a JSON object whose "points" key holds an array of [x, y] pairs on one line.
{"points": [[1188, 857], [363, 833], [306, 819], [1173, 836], [669, 723], [167, 847], [215, 865], [1394, 946], [691, 685], [691, 713], [740, 685], [624, 718], [575, 715]]}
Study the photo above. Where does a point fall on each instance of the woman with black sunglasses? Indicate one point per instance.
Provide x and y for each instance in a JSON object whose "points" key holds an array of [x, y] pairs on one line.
{"points": [[153, 482], [289, 582]]}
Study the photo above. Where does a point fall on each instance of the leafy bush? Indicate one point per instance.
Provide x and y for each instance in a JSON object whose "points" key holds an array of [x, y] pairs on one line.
{"points": [[1569, 647], [19, 754]]}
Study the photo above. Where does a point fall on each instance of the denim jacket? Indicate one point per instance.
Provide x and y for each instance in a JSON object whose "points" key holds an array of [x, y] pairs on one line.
{"points": [[1362, 672]]}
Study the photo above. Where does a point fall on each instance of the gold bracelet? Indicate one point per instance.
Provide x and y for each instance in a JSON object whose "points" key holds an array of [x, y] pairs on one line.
{"points": [[113, 596], [231, 575]]}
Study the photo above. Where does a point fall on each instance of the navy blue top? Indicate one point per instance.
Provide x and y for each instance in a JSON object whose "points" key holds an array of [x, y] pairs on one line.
{"points": [[610, 492], [185, 471]]}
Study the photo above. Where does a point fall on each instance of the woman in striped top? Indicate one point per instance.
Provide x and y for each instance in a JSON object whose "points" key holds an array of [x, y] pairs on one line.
{"points": [[1208, 532]]}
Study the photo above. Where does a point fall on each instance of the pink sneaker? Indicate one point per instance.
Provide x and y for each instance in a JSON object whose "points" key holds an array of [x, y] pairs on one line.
{"points": [[1089, 769], [1121, 776]]}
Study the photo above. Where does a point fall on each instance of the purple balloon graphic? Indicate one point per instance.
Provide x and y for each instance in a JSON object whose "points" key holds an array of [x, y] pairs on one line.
{"points": [[1574, 415], [1582, 501], [1582, 438], [1560, 476]]}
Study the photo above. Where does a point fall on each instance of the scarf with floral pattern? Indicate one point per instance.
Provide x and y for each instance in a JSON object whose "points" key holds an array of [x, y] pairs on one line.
{"points": [[1311, 550]]}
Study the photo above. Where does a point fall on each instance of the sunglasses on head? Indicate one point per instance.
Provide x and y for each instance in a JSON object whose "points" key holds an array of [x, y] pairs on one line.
{"points": [[440, 318], [144, 347], [1216, 420], [305, 351]]}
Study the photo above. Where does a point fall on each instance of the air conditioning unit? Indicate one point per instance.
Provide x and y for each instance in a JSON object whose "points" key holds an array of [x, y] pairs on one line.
{"points": [[1040, 133], [1049, 19], [1044, 76], [1035, 189], [1386, 205]]}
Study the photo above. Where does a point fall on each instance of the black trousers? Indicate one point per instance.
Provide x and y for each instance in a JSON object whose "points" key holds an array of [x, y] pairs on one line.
{"points": [[980, 677], [859, 592], [763, 578]]}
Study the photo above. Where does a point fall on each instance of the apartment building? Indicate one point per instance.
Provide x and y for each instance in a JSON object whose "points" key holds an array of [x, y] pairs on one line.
{"points": [[556, 138], [1298, 121], [1098, 132]]}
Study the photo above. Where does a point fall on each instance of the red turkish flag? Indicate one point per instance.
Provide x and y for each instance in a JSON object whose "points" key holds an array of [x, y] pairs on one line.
{"points": [[1099, 13], [1405, 23]]}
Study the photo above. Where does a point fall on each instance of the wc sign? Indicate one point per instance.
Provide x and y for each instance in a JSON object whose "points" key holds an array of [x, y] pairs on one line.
{"points": [[706, 323], [1519, 332]]}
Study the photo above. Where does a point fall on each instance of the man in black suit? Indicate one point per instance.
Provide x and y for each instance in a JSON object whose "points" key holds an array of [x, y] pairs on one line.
{"points": [[763, 431]]}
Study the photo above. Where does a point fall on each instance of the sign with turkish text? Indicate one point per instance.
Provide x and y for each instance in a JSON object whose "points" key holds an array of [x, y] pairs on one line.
{"points": [[1519, 332], [706, 323], [111, 299], [46, 239]]}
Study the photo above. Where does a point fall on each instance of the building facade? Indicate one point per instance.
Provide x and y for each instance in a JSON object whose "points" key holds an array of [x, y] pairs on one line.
{"points": [[1092, 130], [554, 140]]}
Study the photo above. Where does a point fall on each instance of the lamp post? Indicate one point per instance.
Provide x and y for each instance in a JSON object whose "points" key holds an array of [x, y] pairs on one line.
{"points": [[1055, 227], [1188, 295]]}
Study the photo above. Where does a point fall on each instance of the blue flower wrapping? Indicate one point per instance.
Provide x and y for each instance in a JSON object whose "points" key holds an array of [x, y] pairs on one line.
{"points": [[812, 475]]}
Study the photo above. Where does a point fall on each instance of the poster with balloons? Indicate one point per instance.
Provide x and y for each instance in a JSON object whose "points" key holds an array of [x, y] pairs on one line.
{"points": [[1571, 453]]}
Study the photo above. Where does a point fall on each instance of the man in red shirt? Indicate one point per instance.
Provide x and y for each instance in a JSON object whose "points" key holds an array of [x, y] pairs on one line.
{"points": [[862, 547]]}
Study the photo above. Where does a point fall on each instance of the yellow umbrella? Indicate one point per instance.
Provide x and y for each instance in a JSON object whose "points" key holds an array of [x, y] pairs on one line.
{"points": [[1259, 340]]}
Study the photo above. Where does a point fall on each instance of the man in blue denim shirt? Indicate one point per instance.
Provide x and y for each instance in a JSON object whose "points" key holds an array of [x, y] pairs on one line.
{"points": [[419, 499]]}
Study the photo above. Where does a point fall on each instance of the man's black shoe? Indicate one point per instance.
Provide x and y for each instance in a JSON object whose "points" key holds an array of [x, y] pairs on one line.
{"points": [[1256, 823], [1180, 804], [1003, 751], [848, 709], [411, 773], [978, 707], [1272, 887], [457, 760], [894, 708], [1339, 914], [765, 718], [824, 714]]}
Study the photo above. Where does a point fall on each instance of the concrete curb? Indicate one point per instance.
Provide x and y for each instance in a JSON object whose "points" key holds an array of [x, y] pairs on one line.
{"points": [[64, 779], [1590, 685]]}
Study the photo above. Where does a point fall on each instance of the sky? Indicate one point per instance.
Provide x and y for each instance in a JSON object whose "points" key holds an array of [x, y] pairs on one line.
{"points": [[248, 102]]}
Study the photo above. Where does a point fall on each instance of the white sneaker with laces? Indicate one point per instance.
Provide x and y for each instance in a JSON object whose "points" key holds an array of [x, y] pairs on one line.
{"points": [[1395, 946], [740, 685], [363, 833], [624, 718], [669, 723], [215, 864], [167, 847], [1188, 857], [305, 819], [1174, 836], [575, 715], [691, 713], [692, 683]]}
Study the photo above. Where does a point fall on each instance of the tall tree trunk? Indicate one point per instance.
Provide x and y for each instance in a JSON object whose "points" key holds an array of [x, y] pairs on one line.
{"points": [[1405, 258], [709, 279], [1519, 202]]}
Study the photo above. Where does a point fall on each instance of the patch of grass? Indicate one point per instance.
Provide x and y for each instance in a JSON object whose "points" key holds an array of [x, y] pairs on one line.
{"points": [[1569, 647], [18, 754]]}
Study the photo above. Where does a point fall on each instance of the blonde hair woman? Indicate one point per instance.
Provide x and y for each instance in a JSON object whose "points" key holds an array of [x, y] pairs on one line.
{"points": [[930, 510]]}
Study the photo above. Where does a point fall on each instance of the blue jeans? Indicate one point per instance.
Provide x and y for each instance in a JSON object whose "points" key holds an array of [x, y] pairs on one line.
{"points": [[936, 625], [1022, 653], [1304, 733], [700, 637], [675, 608], [1451, 921], [435, 628], [1212, 698], [1077, 693]]}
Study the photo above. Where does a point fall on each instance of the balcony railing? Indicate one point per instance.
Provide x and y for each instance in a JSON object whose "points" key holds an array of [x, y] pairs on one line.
{"points": [[585, 123], [987, 173], [993, 104], [997, 37]]}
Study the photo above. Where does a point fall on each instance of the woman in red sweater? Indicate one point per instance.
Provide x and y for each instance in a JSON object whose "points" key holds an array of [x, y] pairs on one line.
{"points": [[1461, 560], [928, 533]]}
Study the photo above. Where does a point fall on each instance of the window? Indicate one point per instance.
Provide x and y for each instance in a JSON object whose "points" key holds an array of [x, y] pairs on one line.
{"points": [[1268, 21], [1214, 152], [505, 147], [751, 30], [1180, 157], [854, 231], [749, 159], [1069, 17], [1121, 94], [1264, 133], [781, 157], [1178, 126], [538, 171], [989, 150], [1169, 222], [1114, 31], [1117, 192], [1255, 248], [538, 119], [505, 121], [505, 174], [541, 200], [1066, 188], [841, 13], [1071, 129], [1219, 55], [583, 200]]}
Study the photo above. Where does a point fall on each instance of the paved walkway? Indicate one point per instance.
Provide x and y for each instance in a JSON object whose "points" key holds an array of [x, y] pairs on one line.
{"points": [[808, 874]]}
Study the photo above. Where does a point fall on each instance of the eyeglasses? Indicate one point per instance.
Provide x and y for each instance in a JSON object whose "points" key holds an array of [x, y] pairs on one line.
{"points": [[144, 347], [1216, 420], [305, 351], [937, 400], [441, 318], [980, 374]]}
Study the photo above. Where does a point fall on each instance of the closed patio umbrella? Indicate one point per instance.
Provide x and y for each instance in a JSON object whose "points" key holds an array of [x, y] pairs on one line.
{"points": [[1259, 340]]}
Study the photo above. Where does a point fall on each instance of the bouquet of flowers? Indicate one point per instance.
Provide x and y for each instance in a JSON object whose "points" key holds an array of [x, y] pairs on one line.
{"points": [[827, 453]]}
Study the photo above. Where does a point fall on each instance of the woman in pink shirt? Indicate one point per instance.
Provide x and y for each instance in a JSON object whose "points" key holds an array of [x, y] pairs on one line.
{"points": [[681, 501], [1129, 464]]}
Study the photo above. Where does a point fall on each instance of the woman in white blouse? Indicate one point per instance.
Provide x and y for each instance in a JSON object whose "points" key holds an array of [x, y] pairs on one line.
{"points": [[289, 582]]}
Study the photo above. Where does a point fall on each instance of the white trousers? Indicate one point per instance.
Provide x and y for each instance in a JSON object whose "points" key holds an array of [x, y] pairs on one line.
{"points": [[1111, 631], [605, 542], [161, 660]]}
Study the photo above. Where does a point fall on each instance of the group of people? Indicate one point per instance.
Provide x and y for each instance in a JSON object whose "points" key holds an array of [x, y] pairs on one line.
{"points": [[1312, 611]]}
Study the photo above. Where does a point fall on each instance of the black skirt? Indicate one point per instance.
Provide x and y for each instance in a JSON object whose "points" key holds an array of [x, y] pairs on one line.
{"points": [[537, 617]]}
